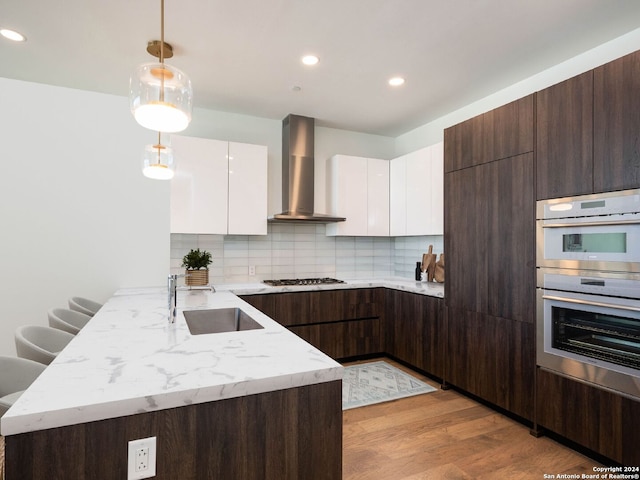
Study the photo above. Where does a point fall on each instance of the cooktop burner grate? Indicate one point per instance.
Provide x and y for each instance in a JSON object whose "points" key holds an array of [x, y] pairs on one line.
{"points": [[301, 281]]}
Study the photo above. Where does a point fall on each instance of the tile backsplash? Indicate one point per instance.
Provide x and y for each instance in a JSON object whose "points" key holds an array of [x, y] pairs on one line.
{"points": [[303, 251]]}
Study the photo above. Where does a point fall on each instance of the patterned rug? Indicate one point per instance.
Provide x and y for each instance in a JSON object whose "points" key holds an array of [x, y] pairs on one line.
{"points": [[377, 382]]}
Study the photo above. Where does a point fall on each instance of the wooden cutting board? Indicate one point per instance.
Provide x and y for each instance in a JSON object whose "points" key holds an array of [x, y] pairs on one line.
{"points": [[429, 263], [439, 270]]}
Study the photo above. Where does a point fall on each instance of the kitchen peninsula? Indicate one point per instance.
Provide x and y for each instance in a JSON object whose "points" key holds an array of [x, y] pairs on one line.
{"points": [[251, 404]]}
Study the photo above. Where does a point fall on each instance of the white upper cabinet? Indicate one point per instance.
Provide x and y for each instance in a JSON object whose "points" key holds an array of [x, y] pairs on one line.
{"points": [[247, 189], [378, 197], [416, 187], [359, 191], [219, 187], [199, 189]]}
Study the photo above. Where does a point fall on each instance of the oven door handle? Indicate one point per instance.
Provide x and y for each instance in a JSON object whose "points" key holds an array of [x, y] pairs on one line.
{"points": [[591, 224], [595, 304]]}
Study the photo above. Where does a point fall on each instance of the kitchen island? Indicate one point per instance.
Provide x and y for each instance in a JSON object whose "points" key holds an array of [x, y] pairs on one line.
{"points": [[252, 404]]}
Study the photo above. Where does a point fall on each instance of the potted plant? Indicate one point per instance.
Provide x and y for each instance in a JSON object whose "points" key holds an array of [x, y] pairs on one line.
{"points": [[196, 264]]}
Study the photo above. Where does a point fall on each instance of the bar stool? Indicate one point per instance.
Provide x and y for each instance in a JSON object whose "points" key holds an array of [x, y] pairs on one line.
{"points": [[84, 305], [67, 320], [41, 344], [16, 374]]}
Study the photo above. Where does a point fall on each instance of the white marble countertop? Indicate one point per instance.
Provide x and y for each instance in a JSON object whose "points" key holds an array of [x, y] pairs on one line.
{"points": [[423, 288], [129, 360]]}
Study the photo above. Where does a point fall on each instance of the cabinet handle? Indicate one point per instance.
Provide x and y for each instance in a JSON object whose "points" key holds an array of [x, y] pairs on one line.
{"points": [[595, 304], [591, 224]]}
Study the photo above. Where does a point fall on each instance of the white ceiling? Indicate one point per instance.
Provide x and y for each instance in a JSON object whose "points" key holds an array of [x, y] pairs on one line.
{"points": [[243, 56]]}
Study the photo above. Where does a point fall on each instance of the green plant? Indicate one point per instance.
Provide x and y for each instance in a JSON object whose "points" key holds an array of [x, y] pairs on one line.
{"points": [[197, 260]]}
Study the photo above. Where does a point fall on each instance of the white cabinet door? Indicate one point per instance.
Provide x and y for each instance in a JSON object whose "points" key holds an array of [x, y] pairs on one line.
{"points": [[417, 192], [378, 197], [247, 189], [219, 188], [398, 196], [199, 187], [348, 195], [436, 224], [360, 193]]}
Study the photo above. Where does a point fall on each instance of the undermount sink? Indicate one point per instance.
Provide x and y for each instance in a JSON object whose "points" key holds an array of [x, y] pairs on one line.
{"points": [[219, 320]]}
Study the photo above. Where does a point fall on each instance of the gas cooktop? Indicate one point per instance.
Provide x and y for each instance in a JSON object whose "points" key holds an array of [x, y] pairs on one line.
{"points": [[301, 281]]}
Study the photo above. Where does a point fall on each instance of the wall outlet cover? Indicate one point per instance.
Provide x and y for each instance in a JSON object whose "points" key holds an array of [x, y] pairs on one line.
{"points": [[142, 459]]}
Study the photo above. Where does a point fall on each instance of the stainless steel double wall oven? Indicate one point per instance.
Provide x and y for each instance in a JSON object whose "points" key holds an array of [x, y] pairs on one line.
{"points": [[588, 289]]}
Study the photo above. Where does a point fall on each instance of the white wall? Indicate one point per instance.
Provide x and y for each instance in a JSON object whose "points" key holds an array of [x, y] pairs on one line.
{"points": [[77, 216], [433, 132]]}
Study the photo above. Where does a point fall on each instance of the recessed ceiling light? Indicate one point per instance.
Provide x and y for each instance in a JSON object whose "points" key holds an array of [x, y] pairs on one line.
{"points": [[310, 59], [12, 35], [396, 81]]}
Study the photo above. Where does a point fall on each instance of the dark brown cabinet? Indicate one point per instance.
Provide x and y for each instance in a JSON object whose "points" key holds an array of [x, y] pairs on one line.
{"points": [[490, 272], [415, 330], [492, 358], [281, 435], [490, 238], [598, 419], [341, 323], [564, 145], [616, 122], [500, 133], [587, 131]]}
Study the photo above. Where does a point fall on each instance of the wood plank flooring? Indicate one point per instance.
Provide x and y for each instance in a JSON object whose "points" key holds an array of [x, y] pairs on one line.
{"points": [[445, 435], [442, 435]]}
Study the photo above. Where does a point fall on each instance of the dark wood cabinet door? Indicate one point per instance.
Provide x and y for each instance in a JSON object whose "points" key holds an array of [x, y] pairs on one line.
{"points": [[415, 331], [492, 358], [466, 221], [597, 419], [464, 144], [509, 130], [341, 323], [285, 308], [351, 304], [510, 240], [564, 145], [343, 339], [616, 120], [490, 238], [501, 133]]}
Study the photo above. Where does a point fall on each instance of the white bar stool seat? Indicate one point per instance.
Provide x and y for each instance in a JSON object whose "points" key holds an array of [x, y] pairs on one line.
{"points": [[41, 344]]}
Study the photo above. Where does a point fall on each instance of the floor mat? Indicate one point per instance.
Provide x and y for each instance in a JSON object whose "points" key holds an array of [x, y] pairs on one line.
{"points": [[376, 382]]}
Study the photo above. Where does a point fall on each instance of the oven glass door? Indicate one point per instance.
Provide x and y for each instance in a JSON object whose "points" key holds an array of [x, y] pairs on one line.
{"points": [[590, 337], [606, 243], [610, 246]]}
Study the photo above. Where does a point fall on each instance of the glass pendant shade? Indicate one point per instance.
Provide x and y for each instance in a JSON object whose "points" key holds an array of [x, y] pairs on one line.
{"points": [[158, 162], [161, 97]]}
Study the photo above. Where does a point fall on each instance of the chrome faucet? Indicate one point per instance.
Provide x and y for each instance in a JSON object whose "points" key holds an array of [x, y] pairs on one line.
{"points": [[172, 286]]}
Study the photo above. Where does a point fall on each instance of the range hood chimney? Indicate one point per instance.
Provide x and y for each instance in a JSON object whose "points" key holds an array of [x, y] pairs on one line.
{"points": [[298, 173]]}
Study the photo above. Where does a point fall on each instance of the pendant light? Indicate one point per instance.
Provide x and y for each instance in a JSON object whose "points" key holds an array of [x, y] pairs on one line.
{"points": [[160, 95], [158, 162]]}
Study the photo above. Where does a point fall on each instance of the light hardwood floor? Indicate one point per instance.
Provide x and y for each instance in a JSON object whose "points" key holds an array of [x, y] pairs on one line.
{"points": [[446, 435], [443, 435]]}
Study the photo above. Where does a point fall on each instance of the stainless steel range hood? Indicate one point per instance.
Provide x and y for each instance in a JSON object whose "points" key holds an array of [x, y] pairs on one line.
{"points": [[298, 174]]}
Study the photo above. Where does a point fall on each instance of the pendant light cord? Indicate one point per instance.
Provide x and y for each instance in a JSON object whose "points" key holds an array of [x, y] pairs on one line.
{"points": [[159, 148], [162, 31]]}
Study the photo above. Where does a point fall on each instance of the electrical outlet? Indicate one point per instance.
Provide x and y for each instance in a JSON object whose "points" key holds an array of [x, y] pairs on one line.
{"points": [[142, 458], [252, 270]]}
